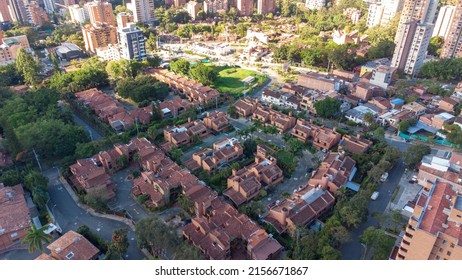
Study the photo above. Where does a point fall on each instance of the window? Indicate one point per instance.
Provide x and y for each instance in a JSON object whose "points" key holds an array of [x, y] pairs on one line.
{"points": [[444, 241], [452, 245], [437, 257], [440, 250], [448, 253]]}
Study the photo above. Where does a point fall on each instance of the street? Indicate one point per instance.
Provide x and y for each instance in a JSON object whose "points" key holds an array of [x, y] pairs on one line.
{"points": [[353, 250], [69, 217]]}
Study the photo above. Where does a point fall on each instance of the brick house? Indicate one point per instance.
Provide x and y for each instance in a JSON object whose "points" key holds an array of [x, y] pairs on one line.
{"points": [[448, 104], [91, 178], [246, 107], [354, 144], [216, 121], [303, 208], [71, 246], [272, 117], [15, 218], [322, 137], [182, 134]]}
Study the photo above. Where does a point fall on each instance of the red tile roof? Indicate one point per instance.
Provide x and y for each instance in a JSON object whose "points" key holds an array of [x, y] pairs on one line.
{"points": [[14, 213], [73, 246]]}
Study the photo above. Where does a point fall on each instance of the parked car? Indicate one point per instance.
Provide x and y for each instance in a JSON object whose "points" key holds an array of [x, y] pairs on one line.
{"points": [[375, 195], [384, 177]]}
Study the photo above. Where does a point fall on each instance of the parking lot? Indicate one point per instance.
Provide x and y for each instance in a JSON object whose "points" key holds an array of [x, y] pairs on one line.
{"points": [[407, 192]]}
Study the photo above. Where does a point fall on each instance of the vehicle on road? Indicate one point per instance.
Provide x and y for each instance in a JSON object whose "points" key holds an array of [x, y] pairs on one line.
{"points": [[375, 195], [384, 177]]}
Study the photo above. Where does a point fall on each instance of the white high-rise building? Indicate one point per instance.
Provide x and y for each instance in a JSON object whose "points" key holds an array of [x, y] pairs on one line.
{"points": [[131, 42], [443, 21], [49, 6], [413, 35], [380, 13], [143, 10], [78, 14], [315, 4]]}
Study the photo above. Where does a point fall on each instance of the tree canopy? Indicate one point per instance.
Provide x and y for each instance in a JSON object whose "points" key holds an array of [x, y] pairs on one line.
{"points": [[142, 88], [415, 153], [327, 108], [203, 74], [442, 70], [180, 66]]}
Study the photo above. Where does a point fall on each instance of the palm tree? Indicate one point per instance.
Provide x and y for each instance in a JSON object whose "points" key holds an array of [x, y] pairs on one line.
{"points": [[36, 237]]}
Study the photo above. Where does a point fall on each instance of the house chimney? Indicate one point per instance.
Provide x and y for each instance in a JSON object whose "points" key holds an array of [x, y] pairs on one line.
{"points": [[358, 136], [189, 119]]}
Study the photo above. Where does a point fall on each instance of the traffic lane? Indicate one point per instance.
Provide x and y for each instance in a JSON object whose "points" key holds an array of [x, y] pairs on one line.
{"points": [[354, 250]]}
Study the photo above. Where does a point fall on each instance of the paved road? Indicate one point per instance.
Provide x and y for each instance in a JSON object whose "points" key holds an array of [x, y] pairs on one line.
{"points": [[353, 250], [70, 216], [92, 133]]}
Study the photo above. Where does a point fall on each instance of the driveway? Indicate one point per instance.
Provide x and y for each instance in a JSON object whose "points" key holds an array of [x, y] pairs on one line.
{"points": [[353, 250]]}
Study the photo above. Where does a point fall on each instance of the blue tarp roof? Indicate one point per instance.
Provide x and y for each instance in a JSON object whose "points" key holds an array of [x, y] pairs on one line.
{"points": [[397, 101], [352, 186]]}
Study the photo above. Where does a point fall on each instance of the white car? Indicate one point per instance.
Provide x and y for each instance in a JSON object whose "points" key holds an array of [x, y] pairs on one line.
{"points": [[375, 195]]}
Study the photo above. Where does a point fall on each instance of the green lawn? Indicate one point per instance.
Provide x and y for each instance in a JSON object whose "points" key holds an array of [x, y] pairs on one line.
{"points": [[229, 79]]}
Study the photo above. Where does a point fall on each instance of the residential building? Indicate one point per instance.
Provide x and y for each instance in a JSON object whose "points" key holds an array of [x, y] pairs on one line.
{"points": [[194, 91], [303, 208], [143, 10], [50, 6], [320, 82], [322, 137], [131, 42], [109, 53], [123, 20], [245, 184], [15, 218], [382, 103], [413, 35], [4, 11], [382, 76], [78, 14], [10, 47], [17, 10], [213, 6], [433, 231], [417, 108], [216, 121], [71, 246], [275, 118], [365, 91], [453, 42], [38, 16], [173, 107], [354, 144], [341, 37], [315, 4], [193, 8], [98, 35], [179, 3], [357, 114], [280, 99], [265, 7], [443, 22], [441, 168], [382, 13], [246, 107], [90, 178], [181, 134], [437, 121], [354, 14], [448, 104], [244, 7], [336, 171], [223, 152], [214, 231], [100, 11]]}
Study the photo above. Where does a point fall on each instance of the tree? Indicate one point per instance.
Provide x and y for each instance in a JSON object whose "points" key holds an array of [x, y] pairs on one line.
{"points": [[396, 219], [404, 125], [153, 61], [180, 66], [27, 67], [203, 74], [120, 243], [327, 108], [176, 154], [436, 45], [232, 112], [286, 161], [378, 241], [142, 88], [10, 75], [35, 237], [330, 253], [442, 70], [186, 203], [414, 154], [369, 118], [253, 209]]}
